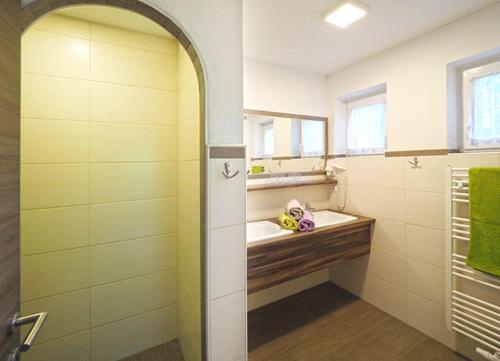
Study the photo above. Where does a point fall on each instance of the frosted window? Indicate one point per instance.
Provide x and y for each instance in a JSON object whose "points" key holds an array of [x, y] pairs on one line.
{"points": [[485, 120], [268, 141], [366, 129]]}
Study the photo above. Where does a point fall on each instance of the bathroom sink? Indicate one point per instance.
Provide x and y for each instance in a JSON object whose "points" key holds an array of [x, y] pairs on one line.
{"points": [[330, 218], [258, 231]]}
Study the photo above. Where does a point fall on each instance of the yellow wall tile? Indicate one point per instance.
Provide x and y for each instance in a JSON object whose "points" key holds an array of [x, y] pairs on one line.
{"points": [[54, 273], [54, 141], [51, 97], [68, 314], [54, 229], [126, 220], [189, 129], [122, 338], [54, 185], [129, 104], [120, 260], [63, 25], [125, 143], [114, 182], [189, 182], [135, 67], [74, 348], [118, 300], [134, 39], [56, 54]]}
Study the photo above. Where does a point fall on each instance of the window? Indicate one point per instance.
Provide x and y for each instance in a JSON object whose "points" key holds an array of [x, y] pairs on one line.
{"points": [[313, 136], [268, 140], [481, 111], [366, 125]]}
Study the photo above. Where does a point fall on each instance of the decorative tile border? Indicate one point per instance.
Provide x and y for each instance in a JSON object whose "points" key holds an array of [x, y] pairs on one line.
{"points": [[223, 152]]}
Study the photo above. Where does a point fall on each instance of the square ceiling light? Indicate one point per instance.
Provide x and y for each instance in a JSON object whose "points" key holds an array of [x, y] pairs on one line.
{"points": [[345, 13]]}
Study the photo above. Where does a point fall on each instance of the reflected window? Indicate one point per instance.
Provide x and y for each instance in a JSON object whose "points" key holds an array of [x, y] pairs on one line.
{"points": [[312, 138]]}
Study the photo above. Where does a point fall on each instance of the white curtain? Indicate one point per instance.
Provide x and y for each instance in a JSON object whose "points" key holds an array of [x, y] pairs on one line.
{"points": [[312, 138], [366, 129], [485, 124]]}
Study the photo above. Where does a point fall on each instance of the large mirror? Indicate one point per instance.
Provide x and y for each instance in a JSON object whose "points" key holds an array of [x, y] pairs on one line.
{"points": [[271, 136]]}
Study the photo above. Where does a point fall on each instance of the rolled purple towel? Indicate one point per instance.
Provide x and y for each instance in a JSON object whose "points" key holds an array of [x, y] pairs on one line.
{"points": [[306, 223]]}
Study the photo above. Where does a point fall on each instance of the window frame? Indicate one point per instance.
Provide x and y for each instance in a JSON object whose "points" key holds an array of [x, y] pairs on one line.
{"points": [[360, 103], [467, 98]]}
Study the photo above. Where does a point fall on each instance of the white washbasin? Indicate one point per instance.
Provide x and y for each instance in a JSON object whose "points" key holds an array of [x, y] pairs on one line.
{"points": [[329, 218], [258, 231]]}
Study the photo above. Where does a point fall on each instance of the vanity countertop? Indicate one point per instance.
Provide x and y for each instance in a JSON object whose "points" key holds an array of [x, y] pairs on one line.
{"points": [[273, 261], [359, 221]]}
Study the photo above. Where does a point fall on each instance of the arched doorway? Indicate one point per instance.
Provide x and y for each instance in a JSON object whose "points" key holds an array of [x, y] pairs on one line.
{"points": [[37, 9]]}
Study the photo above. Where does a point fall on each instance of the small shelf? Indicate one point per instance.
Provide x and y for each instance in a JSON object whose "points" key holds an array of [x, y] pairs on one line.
{"points": [[301, 183]]}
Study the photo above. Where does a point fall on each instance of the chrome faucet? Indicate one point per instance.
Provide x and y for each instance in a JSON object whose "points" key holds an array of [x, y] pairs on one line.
{"points": [[309, 207]]}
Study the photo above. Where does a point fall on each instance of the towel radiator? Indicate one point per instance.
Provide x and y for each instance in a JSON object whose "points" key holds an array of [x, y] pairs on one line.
{"points": [[472, 296]]}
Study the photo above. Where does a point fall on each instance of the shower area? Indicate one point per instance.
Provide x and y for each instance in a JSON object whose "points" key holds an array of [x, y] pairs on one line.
{"points": [[111, 168]]}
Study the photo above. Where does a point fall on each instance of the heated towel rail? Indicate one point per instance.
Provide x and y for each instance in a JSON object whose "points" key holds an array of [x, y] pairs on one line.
{"points": [[472, 297]]}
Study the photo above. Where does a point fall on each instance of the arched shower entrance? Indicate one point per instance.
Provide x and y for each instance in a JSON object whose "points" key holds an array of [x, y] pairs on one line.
{"points": [[186, 254]]}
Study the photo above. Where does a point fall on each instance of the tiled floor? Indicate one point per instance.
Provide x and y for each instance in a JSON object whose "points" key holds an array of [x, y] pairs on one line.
{"points": [[326, 323], [170, 351]]}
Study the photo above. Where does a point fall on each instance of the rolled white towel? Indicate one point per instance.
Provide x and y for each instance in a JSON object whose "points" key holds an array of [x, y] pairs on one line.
{"points": [[295, 210]]}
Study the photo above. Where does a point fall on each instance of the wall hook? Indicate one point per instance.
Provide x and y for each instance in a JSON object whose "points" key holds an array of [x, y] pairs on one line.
{"points": [[227, 171], [415, 164]]}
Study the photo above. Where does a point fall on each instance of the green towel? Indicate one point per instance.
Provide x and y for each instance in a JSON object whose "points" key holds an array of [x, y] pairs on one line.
{"points": [[484, 208], [288, 222]]}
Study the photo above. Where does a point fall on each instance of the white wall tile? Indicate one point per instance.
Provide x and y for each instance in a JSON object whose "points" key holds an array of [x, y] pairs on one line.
{"points": [[227, 196], [387, 266], [429, 178], [425, 280], [376, 171], [227, 261], [385, 295], [425, 209], [228, 327], [425, 244], [389, 236], [376, 202]]}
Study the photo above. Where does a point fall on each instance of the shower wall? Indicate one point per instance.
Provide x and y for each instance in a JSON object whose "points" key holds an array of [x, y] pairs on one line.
{"points": [[188, 246], [99, 187]]}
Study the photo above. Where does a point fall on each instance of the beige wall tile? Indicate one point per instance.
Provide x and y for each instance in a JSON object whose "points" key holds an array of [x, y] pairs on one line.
{"points": [[125, 143], [117, 64], [268, 203], [74, 348], [126, 220], [63, 25], [377, 202], [54, 141], [189, 182], [425, 280], [115, 182], [385, 295], [389, 236], [425, 244], [130, 104], [189, 135], [387, 266], [473, 159], [425, 209], [318, 196], [428, 317], [54, 273], [119, 339], [429, 178], [377, 171], [54, 185], [119, 300], [120, 260], [134, 39], [54, 229], [68, 314], [42, 97], [56, 54]]}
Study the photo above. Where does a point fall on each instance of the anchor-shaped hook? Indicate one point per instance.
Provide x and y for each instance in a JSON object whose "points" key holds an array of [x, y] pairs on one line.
{"points": [[227, 171], [415, 164]]}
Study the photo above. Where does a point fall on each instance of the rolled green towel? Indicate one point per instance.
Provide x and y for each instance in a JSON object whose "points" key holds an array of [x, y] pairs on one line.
{"points": [[288, 222]]}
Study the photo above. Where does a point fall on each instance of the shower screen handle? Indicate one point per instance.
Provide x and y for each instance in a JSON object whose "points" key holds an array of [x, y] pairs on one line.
{"points": [[37, 319]]}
